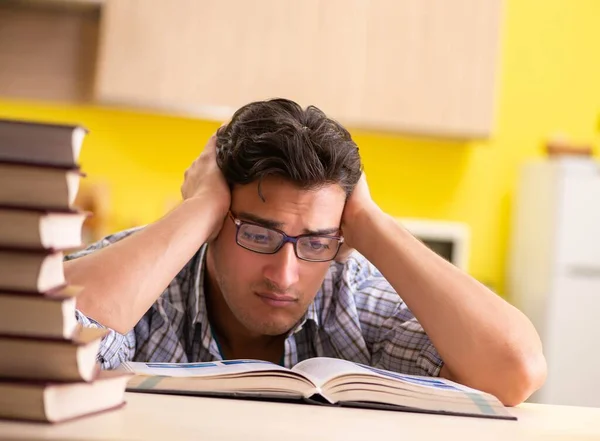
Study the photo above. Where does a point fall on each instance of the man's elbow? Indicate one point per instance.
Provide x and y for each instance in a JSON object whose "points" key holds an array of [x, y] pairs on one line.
{"points": [[524, 376], [116, 319]]}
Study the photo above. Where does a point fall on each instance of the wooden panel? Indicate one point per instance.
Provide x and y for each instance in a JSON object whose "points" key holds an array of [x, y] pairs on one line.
{"points": [[47, 52], [420, 66], [431, 66], [235, 53], [338, 63]]}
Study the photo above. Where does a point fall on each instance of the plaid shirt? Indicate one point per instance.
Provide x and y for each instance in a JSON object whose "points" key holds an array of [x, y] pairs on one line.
{"points": [[356, 316]]}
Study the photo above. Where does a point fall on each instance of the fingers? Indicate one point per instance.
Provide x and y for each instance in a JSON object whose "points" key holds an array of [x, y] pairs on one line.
{"points": [[211, 145]]}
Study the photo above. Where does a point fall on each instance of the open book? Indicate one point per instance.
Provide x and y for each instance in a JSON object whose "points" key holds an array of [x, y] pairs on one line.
{"points": [[316, 380]]}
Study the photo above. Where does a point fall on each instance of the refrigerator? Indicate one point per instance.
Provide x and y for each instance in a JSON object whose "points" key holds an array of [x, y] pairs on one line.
{"points": [[554, 272]]}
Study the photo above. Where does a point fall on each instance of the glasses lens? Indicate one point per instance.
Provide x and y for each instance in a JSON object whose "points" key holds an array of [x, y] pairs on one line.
{"points": [[318, 248], [259, 239]]}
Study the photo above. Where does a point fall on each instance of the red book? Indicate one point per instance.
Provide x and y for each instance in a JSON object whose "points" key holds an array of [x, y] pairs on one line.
{"points": [[51, 359], [40, 143], [55, 402], [33, 314], [28, 186], [40, 229], [26, 270]]}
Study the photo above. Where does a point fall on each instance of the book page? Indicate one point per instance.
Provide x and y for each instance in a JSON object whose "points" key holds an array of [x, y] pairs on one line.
{"points": [[246, 377], [323, 370], [206, 369], [433, 383], [345, 381]]}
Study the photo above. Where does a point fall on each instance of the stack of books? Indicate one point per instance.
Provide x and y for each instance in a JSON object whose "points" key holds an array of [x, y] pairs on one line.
{"points": [[48, 366]]}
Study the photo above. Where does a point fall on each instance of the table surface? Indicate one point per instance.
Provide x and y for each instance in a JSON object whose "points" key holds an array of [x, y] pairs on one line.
{"points": [[150, 417]]}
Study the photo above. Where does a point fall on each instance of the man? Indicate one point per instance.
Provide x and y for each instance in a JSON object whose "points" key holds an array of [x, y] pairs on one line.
{"points": [[249, 266]]}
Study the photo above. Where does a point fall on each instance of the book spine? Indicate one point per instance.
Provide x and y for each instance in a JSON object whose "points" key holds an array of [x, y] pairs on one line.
{"points": [[34, 164], [41, 251], [43, 211], [43, 338], [51, 292], [37, 249]]}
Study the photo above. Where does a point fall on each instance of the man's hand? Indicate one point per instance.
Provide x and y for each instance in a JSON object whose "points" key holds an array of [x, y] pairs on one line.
{"points": [[123, 280], [359, 203], [204, 180]]}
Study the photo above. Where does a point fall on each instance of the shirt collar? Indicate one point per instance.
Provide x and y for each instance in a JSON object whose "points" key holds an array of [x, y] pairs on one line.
{"points": [[311, 314], [200, 314]]}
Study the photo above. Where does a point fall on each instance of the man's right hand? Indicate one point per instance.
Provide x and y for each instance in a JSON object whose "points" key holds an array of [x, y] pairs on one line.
{"points": [[204, 180], [123, 280]]}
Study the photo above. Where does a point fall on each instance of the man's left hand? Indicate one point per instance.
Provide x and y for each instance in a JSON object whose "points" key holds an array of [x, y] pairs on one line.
{"points": [[358, 206]]}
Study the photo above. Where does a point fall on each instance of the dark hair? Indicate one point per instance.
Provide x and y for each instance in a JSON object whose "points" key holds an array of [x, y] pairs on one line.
{"points": [[278, 138]]}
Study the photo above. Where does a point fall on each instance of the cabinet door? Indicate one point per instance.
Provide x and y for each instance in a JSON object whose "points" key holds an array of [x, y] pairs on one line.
{"points": [[423, 66], [571, 342], [578, 221], [208, 58], [431, 66]]}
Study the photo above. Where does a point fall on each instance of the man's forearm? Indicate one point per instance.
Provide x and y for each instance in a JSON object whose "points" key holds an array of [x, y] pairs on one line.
{"points": [[485, 342], [124, 279]]}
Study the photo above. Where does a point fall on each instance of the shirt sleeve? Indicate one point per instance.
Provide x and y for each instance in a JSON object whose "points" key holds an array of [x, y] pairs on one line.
{"points": [[397, 340], [102, 243], [115, 347]]}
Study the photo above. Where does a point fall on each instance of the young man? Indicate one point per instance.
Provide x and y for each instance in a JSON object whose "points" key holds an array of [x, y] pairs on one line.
{"points": [[248, 266]]}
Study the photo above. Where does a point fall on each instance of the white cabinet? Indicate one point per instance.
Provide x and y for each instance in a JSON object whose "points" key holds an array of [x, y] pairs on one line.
{"points": [[420, 66], [554, 273]]}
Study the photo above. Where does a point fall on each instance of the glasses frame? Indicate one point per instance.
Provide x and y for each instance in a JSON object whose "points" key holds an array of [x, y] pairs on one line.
{"points": [[291, 239]]}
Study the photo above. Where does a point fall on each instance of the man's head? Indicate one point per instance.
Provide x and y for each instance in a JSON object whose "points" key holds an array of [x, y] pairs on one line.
{"points": [[279, 138], [289, 169]]}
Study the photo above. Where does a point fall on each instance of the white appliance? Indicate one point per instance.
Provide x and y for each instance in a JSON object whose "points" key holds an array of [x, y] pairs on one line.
{"points": [[554, 273], [450, 240]]}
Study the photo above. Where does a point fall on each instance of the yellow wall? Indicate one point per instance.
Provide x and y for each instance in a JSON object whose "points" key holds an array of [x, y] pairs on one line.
{"points": [[549, 83]]}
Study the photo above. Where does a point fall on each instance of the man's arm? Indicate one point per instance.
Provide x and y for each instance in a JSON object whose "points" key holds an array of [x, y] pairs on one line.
{"points": [[484, 341], [124, 279]]}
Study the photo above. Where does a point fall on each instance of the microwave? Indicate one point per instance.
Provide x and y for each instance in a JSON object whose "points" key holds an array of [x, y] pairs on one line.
{"points": [[448, 239]]}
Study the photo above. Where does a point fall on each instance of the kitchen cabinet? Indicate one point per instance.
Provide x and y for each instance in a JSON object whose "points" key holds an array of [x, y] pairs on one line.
{"points": [[414, 66], [48, 49]]}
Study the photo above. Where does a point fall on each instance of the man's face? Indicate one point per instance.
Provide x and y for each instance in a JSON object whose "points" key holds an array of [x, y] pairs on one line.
{"points": [[269, 293]]}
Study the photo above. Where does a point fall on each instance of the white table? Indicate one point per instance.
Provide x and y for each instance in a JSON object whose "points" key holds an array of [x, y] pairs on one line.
{"points": [[174, 418]]}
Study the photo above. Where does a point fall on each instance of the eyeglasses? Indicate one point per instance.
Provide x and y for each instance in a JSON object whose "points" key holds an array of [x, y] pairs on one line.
{"points": [[262, 240]]}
